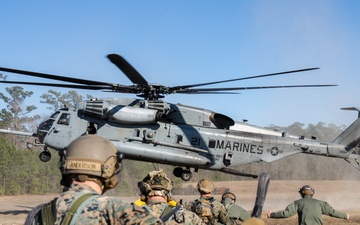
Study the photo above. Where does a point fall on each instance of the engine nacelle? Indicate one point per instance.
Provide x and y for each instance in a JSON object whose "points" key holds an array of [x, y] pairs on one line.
{"points": [[132, 115], [120, 113]]}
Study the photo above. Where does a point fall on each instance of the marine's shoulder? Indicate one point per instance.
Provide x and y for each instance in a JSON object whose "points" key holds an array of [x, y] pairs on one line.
{"points": [[190, 203], [138, 215], [235, 207], [139, 208], [112, 200], [218, 204], [191, 216], [308, 200]]}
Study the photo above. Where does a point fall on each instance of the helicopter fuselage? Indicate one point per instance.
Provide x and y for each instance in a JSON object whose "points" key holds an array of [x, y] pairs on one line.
{"points": [[177, 135]]}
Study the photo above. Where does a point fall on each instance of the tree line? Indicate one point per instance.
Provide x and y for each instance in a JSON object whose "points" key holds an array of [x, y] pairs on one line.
{"points": [[21, 171]]}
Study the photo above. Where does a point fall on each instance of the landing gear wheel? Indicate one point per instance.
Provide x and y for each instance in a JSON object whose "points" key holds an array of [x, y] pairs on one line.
{"points": [[178, 171], [186, 175], [45, 156]]}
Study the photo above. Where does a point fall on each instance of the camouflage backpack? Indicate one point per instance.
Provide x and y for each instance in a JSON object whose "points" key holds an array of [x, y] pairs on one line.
{"points": [[204, 209]]}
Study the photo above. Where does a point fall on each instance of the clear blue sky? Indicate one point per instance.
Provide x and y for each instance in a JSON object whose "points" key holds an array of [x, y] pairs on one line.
{"points": [[185, 42]]}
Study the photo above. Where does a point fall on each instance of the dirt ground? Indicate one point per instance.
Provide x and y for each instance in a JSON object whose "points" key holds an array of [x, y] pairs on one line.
{"points": [[342, 195]]}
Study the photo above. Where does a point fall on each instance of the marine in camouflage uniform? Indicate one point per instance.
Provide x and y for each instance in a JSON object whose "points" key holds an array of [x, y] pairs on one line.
{"points": [[101, 209], [89, 168], [309, 210], [236, 212], [156, 198], [210, 210]]}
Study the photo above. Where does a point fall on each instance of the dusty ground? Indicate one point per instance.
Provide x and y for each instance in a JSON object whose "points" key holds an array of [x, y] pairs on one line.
{"points": [[342, 195]]}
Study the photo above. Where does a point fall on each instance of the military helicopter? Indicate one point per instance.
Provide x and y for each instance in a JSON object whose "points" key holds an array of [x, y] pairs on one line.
{"points": [[189, 138]]}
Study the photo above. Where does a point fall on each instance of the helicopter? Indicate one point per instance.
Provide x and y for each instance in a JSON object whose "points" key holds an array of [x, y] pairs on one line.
{"points": [[149, 129]]}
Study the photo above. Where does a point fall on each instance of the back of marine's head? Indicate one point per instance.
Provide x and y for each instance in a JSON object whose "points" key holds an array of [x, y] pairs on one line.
{"points": [[155, 183], [229, 194], [307, 190], [91, 158], [205, 186]]}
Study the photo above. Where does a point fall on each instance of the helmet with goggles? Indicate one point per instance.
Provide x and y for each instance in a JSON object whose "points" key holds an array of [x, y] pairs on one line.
{"points": [[155, 183]]}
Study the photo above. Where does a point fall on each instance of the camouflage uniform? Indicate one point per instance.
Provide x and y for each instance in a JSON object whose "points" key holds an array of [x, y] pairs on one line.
{"points": [[157, 208], [156, 198], [210, 210], [89, 167], [236, 212], [219, 211], [101, 210]]}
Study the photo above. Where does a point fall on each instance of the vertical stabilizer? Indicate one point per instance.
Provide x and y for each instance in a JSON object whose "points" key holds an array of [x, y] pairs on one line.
{"points": [[350, 137]]}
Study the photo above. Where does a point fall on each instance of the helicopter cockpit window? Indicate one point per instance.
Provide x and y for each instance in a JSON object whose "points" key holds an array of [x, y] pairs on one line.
{"points": [[64, 119], [46, 125], [43, 128], [54, 115]]}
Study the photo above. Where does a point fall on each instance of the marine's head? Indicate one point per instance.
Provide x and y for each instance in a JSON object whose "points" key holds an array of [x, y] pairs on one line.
{"points": [[307, 190], [91, 158], [156, 183], [205, 186], [229, 195]]}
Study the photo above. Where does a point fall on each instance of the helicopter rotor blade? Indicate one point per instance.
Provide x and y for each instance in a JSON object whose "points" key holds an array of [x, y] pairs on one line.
{"points": [[115, 88], [192, 91], [127, 69], [209, 92], [141, 87], [88, 87], [243, 78], [54, 77]]}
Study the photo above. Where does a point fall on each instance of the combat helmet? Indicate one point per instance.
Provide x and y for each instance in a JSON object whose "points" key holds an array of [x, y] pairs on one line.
{"points": [[155, 183], [306, 190], [229, 195], [92, 157], [205, 186]]}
